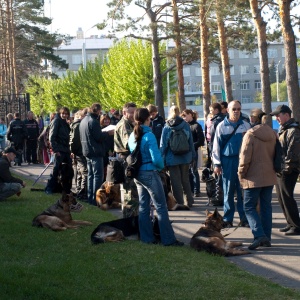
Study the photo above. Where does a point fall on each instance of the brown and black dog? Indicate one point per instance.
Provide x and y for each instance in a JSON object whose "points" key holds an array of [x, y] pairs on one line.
{"points": [[209, 238], [57, 217], [108, 196]]}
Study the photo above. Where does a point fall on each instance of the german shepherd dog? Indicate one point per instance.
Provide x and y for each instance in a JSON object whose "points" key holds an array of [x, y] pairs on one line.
{"points": [[108, 196], [118, 230], [57, 217], [209, 238]]}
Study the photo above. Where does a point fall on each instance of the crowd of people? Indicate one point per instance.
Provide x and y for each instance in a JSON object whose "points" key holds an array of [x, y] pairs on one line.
{"points": [[240, 152]]}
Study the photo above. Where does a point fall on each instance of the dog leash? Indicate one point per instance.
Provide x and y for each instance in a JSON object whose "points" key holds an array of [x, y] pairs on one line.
{"points": [[239, 225]]}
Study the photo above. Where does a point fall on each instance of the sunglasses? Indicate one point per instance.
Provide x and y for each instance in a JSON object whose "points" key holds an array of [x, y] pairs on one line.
{"points": [[236, 109]]}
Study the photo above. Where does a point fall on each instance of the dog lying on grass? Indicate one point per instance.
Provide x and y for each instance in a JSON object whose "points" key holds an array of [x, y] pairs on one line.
{"points": [[57, 217], [118, 230], [209, 238]]}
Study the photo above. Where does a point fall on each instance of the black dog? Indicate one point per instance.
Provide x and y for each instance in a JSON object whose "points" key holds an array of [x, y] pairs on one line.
{"points": [[117, 230]]}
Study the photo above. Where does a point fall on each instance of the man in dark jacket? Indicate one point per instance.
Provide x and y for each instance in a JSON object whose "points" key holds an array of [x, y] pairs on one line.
{"points": [[32, 135], [93, 148], [157, 122], [59, 141], [9, 185], [16, 134], [79, 160], [289, 137]]}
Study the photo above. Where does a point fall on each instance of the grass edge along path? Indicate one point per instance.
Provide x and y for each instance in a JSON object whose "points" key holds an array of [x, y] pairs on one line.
{"points": [[37, 263]]}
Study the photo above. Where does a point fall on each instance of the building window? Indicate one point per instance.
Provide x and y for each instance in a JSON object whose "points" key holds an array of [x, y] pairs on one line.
{"points": [[198, 86], [92, 57], [187, 87], [76, 59], [215, 87], [233, 85], [256, 69], [246, 100], [64, 57], [244, 85], [272, 53], [186, 71], [214, 71], [198, 71], [257, 84], [243, 54], [245, 70], [255, 54], [231, 53]]}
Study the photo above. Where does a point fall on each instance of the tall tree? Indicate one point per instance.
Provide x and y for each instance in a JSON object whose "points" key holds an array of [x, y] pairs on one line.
{"points": [[285, 7]]}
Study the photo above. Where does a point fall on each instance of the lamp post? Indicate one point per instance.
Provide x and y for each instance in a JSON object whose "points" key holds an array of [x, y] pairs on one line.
{"points": [[84, 56], [277, 80]]}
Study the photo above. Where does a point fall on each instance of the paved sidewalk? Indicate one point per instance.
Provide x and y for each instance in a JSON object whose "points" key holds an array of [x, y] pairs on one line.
{"points": [[280, 263]]}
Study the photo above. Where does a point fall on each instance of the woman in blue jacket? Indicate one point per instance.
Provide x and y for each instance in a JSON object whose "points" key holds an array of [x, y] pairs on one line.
{"points": [[149, 184]]}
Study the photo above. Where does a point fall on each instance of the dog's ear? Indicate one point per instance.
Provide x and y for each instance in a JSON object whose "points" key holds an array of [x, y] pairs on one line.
{"points": [[216, 213]]}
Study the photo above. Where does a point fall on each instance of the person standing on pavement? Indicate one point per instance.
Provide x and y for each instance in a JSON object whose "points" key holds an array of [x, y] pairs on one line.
{"points": [[257, 178], [32, 128], [289, 137], [178, 164], [17, 134], [9, 185], [198, 139], [93, 148], [225, 153], [149, 184]]}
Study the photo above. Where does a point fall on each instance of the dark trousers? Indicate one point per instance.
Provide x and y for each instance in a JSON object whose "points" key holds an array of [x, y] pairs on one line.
{"points": [[288, 204], [31, 151], [80, 173]]}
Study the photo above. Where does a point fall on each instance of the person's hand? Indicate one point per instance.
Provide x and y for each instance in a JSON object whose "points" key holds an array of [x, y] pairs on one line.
{"points": [[72, 155], [111, 132], [23, 184], [218, 170]]}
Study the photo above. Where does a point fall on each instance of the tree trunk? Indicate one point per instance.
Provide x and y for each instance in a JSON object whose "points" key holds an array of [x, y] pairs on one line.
{"points": [[290, 57], [261, 26], [157, 77], [224, 56], [204, 58], [179, 64]]}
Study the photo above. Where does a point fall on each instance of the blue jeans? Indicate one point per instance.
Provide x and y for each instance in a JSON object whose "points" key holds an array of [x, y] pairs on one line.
{"points": [[95, 177], [231, 184], [194, 177], [260, 224], [149, 188]]}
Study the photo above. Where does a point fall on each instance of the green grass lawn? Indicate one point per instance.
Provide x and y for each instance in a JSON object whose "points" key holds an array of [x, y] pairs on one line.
{"points": [[37, 263]]}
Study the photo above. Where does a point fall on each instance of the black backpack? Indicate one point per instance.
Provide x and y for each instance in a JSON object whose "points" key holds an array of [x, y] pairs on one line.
{"points": [[179, 143], [134, 161], [278, 160]]}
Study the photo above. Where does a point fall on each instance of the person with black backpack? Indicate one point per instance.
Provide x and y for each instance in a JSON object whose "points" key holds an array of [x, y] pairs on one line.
{"points": [[198, 139], [148, 182], [177, 148]]}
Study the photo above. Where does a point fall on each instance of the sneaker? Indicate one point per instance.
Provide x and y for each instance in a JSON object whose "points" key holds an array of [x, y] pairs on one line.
{"points": [[293, 231], [263, 240], [227, 224], [78, 207], [285, 229], [177, 244]]}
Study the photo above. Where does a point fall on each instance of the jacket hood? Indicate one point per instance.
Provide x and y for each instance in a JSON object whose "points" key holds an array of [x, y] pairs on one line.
{"points": [[176, 123], [290, 123], [263, 132]]}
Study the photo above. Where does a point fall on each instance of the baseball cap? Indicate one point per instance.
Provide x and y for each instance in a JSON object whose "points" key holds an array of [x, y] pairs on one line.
{"points": [[10, 150], [281, 109]]}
